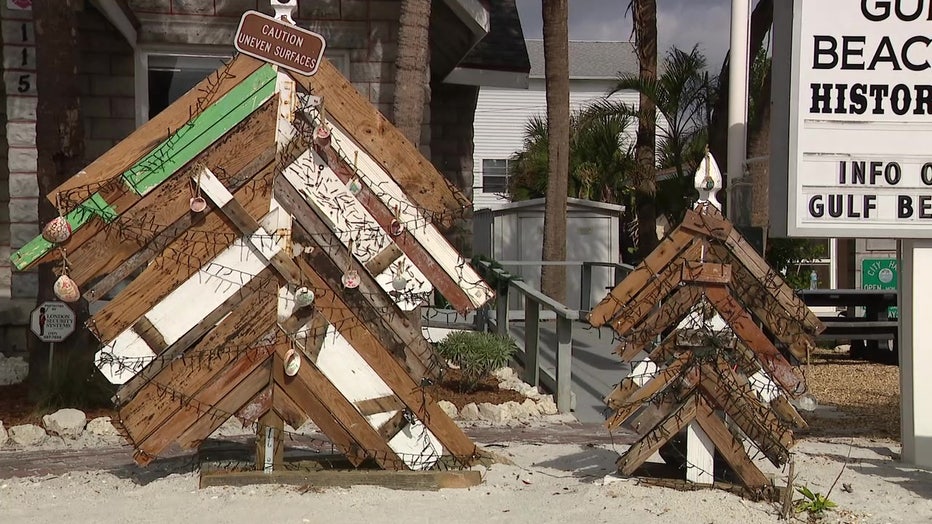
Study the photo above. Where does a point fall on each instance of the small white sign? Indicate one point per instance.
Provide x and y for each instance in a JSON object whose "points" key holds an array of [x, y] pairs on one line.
{"points": [[860, 120], [52, 321], [19, 5]]}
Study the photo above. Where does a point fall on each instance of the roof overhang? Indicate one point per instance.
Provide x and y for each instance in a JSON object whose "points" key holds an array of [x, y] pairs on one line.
{"points": [[475, 15], [487, 78], [122, 17]]}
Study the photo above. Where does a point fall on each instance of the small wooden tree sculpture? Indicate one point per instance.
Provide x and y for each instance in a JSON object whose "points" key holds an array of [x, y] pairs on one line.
{"points": [[705, 324]]}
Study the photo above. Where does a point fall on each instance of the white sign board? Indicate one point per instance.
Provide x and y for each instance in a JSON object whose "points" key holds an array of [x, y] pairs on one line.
{"points": [[860, 119], [52, 321]]}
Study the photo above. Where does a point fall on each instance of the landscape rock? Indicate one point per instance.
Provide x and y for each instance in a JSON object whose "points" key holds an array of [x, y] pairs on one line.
{"points": [[496, 414], [66, 422], [531, 408], [514, 411], [470, 412], [3, 435], [449, 408], [28, 435], [102, 427], [12, 370], [546, 405], [504, 374]]}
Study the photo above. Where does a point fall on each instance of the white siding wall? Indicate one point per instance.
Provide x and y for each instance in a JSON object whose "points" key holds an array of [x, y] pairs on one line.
{"points": [[502, 114]]}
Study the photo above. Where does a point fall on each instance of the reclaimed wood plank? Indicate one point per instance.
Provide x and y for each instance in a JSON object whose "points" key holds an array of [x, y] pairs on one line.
{"points": [[290, 411], [259, 404], [729, 447], [140, 141], [373, 406], [223, 348], [698, 272], [626, 407], [668, 249], [421, 242], [400, 480], [647, 445], [238, 301], [212, 407], [424, 185], [680, 303], [379, 311], [654, 412], [654, 292], [744, 327], [787, 413], [346, 414], [371, 348], [171, 155], [207, 251]]}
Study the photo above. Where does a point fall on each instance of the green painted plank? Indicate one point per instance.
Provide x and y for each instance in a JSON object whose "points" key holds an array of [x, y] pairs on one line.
{"points": [[216, 120], [38, 247], [169, 156]]}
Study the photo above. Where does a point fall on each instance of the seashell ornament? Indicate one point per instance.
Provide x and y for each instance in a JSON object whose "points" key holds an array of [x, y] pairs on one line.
{"points": [[57, 230], [303, 297], [66, 289], [292, 362], [351, 279]]}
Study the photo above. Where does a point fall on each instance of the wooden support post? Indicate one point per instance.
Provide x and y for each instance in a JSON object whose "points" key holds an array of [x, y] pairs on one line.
{"points": [[585, 287], [270, 444], [531, 341], [700, 454], [501, 310], [564, 361]]}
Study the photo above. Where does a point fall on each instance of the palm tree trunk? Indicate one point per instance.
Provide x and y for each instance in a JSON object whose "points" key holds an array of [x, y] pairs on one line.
{"points": [[557, 78], [60, 147], [645, 29], [411, 68]]}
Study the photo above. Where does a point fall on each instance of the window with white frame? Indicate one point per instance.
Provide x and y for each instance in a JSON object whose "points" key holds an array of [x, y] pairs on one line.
{"points": [[495, 175], [824, 267]]}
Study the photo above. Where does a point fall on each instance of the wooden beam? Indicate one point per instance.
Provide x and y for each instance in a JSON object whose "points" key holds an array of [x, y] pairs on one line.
{"points": [[425, 186], [290, 411], [729, 447], [224, 348], [371, 348], [183, 260], [346, 414], [400, 480], [654, 292], [369, 299], [270, 443], [669, 248], [696, 272], [626, 407], [673, 311], [647, 445], [744, 327], [242, 301], [374, 406], [421, 243], [787, 413]]}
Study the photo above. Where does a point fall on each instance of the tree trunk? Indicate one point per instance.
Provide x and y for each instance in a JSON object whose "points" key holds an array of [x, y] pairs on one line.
{"points": [[645, 29], [557, 78], [411, 68], [60, 147], [759, 138]]}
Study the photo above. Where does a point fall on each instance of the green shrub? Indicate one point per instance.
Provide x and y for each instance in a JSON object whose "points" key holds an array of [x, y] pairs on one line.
{"points": [[75, 383], [477, 354]]}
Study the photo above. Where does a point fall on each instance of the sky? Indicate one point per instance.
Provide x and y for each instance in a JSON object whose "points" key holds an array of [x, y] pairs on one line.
{"points": [[683, 23]]}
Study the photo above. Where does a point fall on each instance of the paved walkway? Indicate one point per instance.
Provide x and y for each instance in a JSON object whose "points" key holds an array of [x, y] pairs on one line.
{"points": [[595, 368]]}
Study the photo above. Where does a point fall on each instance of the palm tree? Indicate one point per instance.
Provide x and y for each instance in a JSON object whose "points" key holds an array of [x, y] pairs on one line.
{"points": [[411, 68], [557, 80], [683, 96], [601, 162], [644, 14]]}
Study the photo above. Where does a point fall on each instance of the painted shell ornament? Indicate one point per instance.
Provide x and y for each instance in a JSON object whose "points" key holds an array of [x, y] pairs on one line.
{"points": [[57, 230], [396, 228], [303, 297], [198, 204], [66, 289], [351, 279], [292, 362], [322, 136], [399, 283]]}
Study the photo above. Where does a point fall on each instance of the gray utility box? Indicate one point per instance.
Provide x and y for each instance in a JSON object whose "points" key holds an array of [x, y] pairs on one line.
{"points": [[513, 235]]}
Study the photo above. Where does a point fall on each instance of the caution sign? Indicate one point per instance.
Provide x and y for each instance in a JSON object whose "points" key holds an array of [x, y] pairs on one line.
{"points": [[280, 43], [52, 321]]}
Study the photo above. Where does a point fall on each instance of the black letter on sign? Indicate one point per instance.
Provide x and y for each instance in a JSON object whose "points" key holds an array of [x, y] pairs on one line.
{"points": [[819, 50], [816, 207], [892, 173], [884, 13], [904, 204], [925, 206], [927, 173]]}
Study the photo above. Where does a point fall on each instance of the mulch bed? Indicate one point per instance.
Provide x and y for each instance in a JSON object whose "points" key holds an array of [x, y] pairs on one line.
{"points": [[16, 408], [450, 389]]}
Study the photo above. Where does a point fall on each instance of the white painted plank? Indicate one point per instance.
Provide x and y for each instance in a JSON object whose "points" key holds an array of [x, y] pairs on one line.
{"points": [[392, 195], [700, 453], [123, 358]]}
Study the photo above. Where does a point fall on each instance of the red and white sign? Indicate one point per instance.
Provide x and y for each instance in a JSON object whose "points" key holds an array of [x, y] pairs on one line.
{"points": [[19, 5]]}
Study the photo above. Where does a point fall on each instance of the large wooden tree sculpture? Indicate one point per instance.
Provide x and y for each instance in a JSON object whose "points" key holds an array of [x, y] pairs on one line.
{"points": [[702, 321], [277, 232]]}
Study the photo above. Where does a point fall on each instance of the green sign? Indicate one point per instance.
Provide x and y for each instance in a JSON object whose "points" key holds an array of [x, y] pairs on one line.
{"points": [[880, 273]]}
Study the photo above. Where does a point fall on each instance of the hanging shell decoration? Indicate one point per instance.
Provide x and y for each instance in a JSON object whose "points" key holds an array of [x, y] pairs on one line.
{"points": [[303, 297], [66, 289], [351, 279], [57, 230], [292, 362]]}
